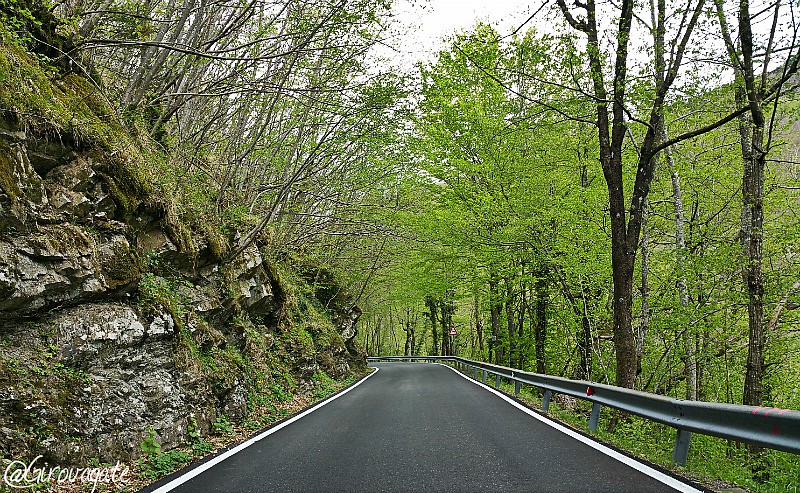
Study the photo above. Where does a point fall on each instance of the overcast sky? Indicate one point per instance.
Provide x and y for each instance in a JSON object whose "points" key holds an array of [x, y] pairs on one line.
{"points": [[420, 25]]}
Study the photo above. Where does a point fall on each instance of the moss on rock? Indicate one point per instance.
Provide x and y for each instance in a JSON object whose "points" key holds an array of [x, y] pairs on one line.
{"points": [[8, 181], [60, 239], [122, 267]]}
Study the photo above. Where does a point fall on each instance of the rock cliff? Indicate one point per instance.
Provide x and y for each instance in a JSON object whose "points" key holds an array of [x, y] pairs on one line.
{"points": [[111, 326]]}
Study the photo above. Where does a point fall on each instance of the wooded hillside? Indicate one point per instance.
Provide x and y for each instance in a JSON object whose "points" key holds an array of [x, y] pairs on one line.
{"points": [[613, 197]]}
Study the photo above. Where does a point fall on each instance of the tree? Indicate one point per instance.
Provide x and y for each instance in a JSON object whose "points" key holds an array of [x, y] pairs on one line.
{"points": [[626, 220], [755, 87]]}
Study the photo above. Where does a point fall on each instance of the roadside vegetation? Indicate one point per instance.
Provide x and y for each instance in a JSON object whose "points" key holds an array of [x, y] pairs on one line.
{"points": [[613, 198], [713, 462]]}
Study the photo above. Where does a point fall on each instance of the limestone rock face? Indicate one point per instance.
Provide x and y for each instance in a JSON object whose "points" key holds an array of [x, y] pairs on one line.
{"points": [[60, 265], [347, 323], [109, 329], [251, 283], [132, 381]]}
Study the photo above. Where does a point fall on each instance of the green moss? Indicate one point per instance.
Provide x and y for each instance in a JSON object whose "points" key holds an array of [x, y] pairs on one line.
{"points": [[217, 242], [26, 93], [70, 109], [66, 108], [297, 341], [158, 291], [8, 182], [125, 203], [35, 25], [60, 238], [178, 232], [92, 99], [122, 267], [205, 353]]}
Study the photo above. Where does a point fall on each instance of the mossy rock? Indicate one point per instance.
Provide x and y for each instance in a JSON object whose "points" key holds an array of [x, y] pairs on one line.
{"points": [[70, 110], [122, 267], [35, 25], [60, 239], [8, 180], [127, 188]]}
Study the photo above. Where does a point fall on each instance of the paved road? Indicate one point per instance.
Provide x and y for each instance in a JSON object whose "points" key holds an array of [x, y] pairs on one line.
{"points": [[420, 427]]}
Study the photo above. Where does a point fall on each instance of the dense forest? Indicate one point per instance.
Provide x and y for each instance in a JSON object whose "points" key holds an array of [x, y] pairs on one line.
{"points": [[610, 198], [614, 206], [609, 192]]}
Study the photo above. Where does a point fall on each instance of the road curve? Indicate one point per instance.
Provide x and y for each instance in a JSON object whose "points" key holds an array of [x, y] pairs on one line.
{"points": [[420, 427]]}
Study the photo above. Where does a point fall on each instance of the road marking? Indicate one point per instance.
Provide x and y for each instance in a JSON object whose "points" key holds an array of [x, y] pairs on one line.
{"points": [[639, 466], [216, 460]]}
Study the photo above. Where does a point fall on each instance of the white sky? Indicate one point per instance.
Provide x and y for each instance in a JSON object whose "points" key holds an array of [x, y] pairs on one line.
{"points": [[420, 25]]}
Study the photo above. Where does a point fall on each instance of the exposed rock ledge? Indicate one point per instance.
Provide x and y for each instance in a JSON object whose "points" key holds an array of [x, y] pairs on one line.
{"points": [[94, 350]]}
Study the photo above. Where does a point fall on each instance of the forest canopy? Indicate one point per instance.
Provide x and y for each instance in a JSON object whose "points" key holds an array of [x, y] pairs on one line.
{"points": [[612, 197], [610, 202], [608, 192]]}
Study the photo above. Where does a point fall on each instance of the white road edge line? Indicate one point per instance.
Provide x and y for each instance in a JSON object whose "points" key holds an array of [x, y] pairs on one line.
{"points": [[216, 460], [639, 466]]}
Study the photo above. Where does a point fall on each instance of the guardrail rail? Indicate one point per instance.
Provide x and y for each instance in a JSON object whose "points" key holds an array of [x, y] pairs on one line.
{"points": [[767, 427]]}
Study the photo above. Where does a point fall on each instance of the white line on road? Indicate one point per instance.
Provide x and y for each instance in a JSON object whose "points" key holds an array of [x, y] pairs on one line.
{"points": [[216, 460], [639, 466]]}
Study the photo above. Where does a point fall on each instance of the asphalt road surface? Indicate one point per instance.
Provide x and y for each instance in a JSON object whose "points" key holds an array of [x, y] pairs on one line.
{"points": [[422, 427]]}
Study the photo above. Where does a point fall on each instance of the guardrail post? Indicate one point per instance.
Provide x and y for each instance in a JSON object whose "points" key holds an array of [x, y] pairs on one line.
{"points": [[484, 376], [594, 419], [497, 381], [681, 451], [548, 394], [517, 386], [475, 372]]}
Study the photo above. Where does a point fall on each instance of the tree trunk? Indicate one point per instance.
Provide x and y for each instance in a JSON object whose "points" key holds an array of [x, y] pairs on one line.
{"points": [[540, 329], [753, 198], [644, 326], [586, 339], [431, 304], [447, 309], [377, 337], [751, 90], [511, 323], [622, 263], [478, 324], [495, 307], [689, 339], [611, 123], [409, 326], [522, 343]]}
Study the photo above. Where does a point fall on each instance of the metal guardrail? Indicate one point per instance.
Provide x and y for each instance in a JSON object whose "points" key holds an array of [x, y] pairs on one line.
{"points": [[767, 427]]}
